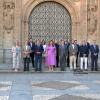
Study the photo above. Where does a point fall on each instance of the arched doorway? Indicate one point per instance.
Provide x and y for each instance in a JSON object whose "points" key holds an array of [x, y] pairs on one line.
{"points": [[49, 20]]}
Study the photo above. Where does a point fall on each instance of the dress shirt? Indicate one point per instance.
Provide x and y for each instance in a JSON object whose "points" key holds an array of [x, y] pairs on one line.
{"points": [[66, 43], [38, 45], [63, 46], [73, 46], [31, 44], [86, 43], [26, 47]]}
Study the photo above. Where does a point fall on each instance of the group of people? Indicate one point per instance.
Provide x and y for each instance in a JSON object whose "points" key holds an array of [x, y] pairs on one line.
{"points": [[53, 53]]}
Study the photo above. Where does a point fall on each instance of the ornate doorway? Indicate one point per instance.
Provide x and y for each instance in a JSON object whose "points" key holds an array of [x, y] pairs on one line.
{"points": [[49, 21]]}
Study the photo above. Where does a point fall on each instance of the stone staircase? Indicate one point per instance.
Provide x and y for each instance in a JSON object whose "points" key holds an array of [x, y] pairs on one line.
{"points": [[8, 68]]}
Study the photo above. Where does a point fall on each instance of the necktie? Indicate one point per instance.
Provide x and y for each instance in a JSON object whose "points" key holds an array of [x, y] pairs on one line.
{"points": [[95, 47], [38, 46], [63, 46], [66, 43]]}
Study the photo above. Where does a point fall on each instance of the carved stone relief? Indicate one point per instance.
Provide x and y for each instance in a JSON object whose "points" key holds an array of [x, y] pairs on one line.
{"points": [[92, 5], [76, 0], [92, 19], [8, 16]]}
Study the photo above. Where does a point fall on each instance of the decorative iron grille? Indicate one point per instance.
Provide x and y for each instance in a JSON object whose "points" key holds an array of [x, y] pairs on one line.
{"points": [[49, 21]]}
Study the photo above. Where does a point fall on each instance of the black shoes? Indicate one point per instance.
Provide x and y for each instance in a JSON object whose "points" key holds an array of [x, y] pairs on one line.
{"points": [[38, 70], [74, 69], [95, 69]]}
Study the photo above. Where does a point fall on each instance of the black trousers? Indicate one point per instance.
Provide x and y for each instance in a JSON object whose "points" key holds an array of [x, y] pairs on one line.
{"points": [[57, 59], [68, 61], [26, 62], [94, 60], [77, 60], [32, 58]]}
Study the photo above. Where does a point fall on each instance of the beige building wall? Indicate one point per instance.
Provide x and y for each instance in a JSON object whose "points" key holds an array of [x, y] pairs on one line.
{"points": [[14, 15]]}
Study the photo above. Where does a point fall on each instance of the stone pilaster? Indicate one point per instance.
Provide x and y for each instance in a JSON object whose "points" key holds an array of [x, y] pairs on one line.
{"points": [[1, 24], [84, 18], [99, 23], [1, 31], [74, 30], [17, 27]]}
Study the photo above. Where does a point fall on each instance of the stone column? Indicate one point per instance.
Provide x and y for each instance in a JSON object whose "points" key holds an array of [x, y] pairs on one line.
{"points": [[1, 31], [23, 34], [84, 18], [74, 30], [98, 29], [79, 35], [98, 23], [26, 30]]}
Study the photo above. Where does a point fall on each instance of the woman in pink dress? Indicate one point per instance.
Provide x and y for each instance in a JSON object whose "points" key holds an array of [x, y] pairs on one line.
{"points": [[51, 55]]}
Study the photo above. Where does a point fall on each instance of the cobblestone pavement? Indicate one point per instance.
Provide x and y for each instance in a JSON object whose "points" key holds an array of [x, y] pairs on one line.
{"points": [[50, 86]]}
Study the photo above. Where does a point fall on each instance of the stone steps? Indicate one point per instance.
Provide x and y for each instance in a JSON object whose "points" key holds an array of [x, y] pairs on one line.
{"points": [[8, 68]]}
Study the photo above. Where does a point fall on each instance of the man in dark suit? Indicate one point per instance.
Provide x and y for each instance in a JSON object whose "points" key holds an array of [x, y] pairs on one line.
{"points": [[32, 45], [84, 51], [75, 42], [67, 44], [38, 49], [87, 43], [57, 48], [94, 55], [63, 55]]}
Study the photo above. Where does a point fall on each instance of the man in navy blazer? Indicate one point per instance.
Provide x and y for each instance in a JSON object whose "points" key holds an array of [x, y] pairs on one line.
{"points": [[32, 45], [38, 49], [94, 55], [84, 51]]}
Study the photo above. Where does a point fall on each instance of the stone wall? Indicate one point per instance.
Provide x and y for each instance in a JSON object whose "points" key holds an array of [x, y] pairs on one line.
{"points": [[14, 15]]}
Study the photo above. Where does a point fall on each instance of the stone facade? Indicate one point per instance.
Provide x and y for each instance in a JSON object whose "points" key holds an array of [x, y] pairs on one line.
{"points": [[14, 22]]}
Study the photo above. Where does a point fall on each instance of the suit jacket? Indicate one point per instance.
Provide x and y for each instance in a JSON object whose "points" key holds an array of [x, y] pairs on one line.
{"points": [[71, 50], [84, 50], [57, 48], [40, 49], [92, 49], [88, 45], [67, 44], [77, 46], [32, 48], [26, 51], [63, 51]]}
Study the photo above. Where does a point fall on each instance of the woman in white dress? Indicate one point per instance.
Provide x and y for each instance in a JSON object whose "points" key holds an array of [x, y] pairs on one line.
{"points": [[16, 56], [44, 53]]}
